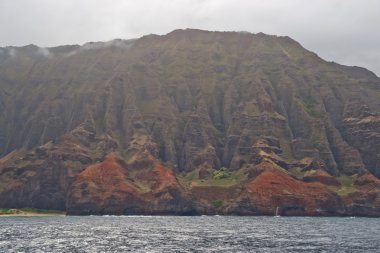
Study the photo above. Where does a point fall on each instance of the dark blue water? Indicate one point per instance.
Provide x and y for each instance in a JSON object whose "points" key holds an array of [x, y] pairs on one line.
{"points": [[188, 234]]}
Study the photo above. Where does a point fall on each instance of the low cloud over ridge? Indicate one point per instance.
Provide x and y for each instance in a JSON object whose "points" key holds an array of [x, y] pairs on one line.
{"points": [[341, 31]]}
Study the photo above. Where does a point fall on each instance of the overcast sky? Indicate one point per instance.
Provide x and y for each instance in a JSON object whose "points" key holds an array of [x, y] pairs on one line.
{"points": [[345, 31]]}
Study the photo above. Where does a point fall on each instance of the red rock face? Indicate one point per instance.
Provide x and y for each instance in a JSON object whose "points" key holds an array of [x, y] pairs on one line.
{"points": [[103, 188], [160, 177], [107, 187], [187, 123], [274, 189]]}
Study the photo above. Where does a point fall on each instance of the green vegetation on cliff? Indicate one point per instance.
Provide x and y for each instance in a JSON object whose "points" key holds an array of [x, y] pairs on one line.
{"points": [[347, 185], [172, 111], [220, 178]]}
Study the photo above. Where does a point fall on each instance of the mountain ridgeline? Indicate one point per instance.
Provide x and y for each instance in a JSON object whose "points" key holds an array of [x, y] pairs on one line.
{"points": [[192, 122]]}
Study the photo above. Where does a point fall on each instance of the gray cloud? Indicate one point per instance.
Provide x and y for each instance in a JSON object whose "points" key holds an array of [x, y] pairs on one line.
{"points": [[95, 45], [341, 31]]}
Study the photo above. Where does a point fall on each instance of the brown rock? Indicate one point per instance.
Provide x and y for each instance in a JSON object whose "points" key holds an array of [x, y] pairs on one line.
{"points": [[189, 102]]}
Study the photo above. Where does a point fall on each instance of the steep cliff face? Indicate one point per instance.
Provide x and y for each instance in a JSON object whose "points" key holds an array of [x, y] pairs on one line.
{"points": [[185, 123]]}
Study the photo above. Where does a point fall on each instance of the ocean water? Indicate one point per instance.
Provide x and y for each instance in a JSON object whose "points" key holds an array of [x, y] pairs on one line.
{"points": [[188, 234]]}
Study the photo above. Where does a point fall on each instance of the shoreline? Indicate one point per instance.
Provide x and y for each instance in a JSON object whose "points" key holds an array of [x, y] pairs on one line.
{"points": [[25, 212], [31, 214], [210, 215]]}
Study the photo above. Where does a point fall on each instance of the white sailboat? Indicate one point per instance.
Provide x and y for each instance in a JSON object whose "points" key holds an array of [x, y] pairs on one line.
{"points": [[277, 213]]}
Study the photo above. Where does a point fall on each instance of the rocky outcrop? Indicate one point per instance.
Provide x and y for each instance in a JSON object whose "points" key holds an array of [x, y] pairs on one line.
{"points": [[364, 134], [187, 123], [275, 191], [104, 188], [366, 201], [112, 186]]}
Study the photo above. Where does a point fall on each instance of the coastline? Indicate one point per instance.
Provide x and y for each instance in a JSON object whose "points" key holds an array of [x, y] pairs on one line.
{"points": [[28, 212], [30, 215]]}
